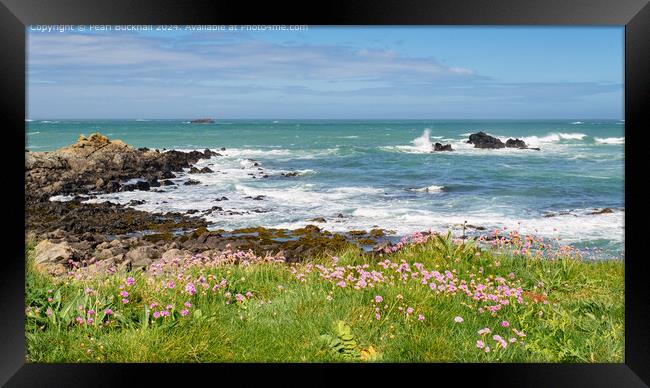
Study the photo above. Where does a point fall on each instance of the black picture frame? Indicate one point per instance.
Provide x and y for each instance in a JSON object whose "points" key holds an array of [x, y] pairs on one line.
{"points": [[16, 14]]}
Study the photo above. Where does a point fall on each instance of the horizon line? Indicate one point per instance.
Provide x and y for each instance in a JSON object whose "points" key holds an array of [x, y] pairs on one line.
{"points": [[319, 118]]}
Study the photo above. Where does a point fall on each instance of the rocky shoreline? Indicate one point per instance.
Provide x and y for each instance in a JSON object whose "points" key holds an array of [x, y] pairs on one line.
{"points": [[73, 233]]}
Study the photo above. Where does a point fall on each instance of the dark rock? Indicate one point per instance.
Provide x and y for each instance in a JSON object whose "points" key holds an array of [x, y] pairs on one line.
{"points": [[515, 143], [142, 185], [289, 174], [76, 218], [167, 175], [205, 170], [202, 121], [318, 219], [213, 209], [440, 147], [135, 202], [191, 211], [602, 211], [154, 183], [483, 140], [221, 199], [167, 182], [190, 182]]}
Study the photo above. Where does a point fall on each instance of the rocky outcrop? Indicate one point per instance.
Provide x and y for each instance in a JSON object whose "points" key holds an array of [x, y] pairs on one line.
{"points": [[75, 217], [202, 121], [440, 147], [604, 210], [204, 170], [515, 143], [97, 164], [53, 253], [74, 234], [483, 140]]}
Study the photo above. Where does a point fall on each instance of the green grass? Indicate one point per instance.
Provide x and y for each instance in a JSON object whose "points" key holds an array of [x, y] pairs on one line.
{"points": [[581, 321]]}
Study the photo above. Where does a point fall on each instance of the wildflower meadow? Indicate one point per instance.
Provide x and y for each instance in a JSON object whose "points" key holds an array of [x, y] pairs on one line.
{"points": [[430, 298]]}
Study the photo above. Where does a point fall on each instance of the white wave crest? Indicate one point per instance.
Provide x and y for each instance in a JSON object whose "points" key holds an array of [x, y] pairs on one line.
{"points": [[610, 140], [550, 138], [421, 144], [429, 189]]}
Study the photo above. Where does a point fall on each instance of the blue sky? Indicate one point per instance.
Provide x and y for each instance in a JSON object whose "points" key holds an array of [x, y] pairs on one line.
{"points": [[329, 72]]}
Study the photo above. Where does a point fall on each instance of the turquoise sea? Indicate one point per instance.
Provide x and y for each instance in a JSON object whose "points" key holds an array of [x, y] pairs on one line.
{"points": [[381, 174]]}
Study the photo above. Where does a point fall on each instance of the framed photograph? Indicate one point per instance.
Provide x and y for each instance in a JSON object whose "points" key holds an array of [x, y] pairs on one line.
{"points": [[406, 190]]}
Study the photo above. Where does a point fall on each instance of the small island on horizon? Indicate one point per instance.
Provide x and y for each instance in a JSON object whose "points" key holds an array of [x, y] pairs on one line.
{"points": [[202, 121]]}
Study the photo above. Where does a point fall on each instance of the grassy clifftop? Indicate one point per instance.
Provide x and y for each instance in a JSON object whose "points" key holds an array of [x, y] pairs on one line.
{"points": [[432, 301]]}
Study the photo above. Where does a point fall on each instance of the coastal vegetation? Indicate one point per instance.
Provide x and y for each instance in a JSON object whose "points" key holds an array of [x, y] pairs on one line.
{"points": [[429, 298]]}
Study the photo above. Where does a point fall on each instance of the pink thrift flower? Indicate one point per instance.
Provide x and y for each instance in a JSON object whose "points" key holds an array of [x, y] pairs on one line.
{"points": [[170, 284], [184, 312], [91, 312], [165, 313], [480, 344], [79, 320], [125, 301], [249, 294], [227, 294], [153, 305], [239, 298], [170, 306], [124, 294], [156, 314], [190, 289], [420, 317], [130, 281], [409, 310], [377, 316], [49, 312], [487, 349], [341, 283], [485, 330], [108, 312], [90, 321], [505, 323], [459, 319], [378, 299]]}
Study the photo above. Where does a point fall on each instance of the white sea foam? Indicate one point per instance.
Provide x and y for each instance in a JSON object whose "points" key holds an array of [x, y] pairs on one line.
{"points": [[549, 138], [610, 140], [291, 203], [421, 144], [577, 122], [429, 189]]}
